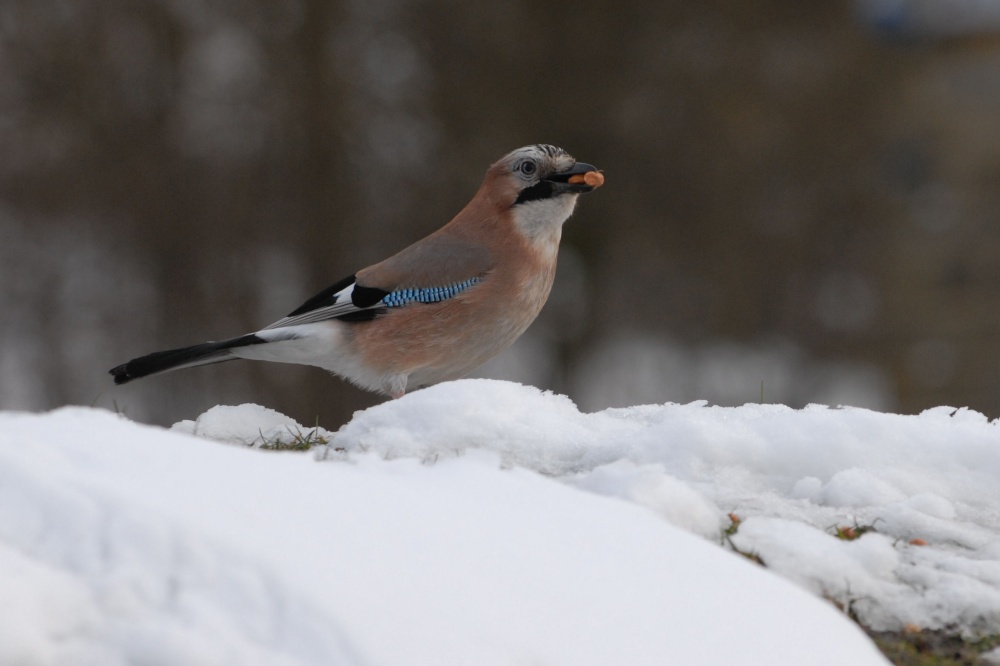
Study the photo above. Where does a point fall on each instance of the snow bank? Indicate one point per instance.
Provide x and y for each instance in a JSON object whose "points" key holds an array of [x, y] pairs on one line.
{"points": [[121, 543], [791, 475]]}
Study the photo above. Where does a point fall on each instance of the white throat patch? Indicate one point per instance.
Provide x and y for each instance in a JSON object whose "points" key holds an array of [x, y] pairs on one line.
{"points": [[541, 221]]}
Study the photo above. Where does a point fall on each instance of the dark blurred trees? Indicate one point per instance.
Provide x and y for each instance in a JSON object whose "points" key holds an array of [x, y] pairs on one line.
{"points": [[778, 178]]}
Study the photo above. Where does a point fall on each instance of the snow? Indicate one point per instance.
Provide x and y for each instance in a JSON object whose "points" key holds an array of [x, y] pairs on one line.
{"points": [[791, 476], [487, 522], [127, 544]]}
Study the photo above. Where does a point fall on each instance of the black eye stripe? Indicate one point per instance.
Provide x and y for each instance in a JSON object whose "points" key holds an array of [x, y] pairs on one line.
{"points": [[542, 190]]}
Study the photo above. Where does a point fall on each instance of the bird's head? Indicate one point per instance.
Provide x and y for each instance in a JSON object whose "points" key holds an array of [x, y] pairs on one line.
{"points": [[540, 173]]}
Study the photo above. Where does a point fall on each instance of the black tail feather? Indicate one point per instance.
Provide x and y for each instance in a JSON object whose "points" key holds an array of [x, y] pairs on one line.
{"points": [[203, 354]]}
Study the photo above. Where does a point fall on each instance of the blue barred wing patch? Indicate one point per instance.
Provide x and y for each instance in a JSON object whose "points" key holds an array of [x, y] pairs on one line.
{"points": [[427, 294]]}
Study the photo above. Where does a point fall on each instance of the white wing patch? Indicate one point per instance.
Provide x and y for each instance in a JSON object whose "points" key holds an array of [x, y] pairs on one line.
{"points": [[342, 305]]}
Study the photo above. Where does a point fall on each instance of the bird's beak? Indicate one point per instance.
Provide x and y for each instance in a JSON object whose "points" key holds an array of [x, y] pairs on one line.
{"points": [[563, 182]]}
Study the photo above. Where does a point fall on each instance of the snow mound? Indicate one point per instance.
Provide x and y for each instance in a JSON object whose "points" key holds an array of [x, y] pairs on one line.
{"points": [[124, 544], [248, 424], [792, 476]]}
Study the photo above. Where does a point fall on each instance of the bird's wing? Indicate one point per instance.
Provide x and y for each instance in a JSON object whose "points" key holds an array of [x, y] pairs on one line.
{"points": [[334, 301], [436, 261], [434, 269]]}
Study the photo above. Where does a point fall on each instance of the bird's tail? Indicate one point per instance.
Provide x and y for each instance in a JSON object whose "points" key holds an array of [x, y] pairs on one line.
{"points": [[185, 357]]}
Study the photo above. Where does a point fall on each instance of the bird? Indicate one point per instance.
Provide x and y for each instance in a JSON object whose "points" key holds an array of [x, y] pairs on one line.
{"points": [[436, 310]]}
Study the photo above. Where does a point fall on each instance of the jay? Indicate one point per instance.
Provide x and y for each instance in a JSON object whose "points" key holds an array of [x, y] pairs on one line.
{"points": [[437, 309]]}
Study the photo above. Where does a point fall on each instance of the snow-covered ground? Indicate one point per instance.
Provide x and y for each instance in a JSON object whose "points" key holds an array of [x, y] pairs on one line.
{"points": [[490, 523]]}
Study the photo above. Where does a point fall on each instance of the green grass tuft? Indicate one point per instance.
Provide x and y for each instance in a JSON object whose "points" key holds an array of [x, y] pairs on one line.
{"points": [[299, 441]]}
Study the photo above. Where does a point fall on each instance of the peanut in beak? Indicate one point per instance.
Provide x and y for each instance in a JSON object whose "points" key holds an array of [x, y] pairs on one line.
{"points": [[592, 178]]}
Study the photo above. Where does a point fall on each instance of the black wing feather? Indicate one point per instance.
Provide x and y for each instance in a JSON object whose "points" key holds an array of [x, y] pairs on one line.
{"points": [[323, 298]]}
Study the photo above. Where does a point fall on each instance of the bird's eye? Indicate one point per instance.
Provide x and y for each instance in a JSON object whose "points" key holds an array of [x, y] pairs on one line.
{"points": [[528, 168]]}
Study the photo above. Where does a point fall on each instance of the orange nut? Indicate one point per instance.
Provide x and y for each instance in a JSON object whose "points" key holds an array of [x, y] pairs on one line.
{"points": [[592, 178]]}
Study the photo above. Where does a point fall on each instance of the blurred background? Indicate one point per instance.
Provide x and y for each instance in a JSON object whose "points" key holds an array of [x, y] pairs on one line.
{"points": [[802, 199]]}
